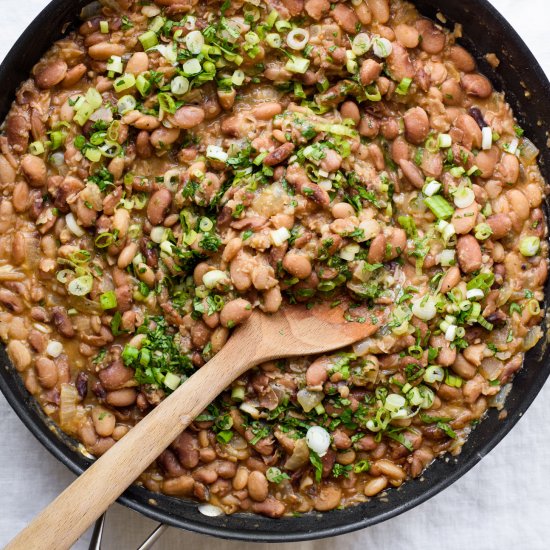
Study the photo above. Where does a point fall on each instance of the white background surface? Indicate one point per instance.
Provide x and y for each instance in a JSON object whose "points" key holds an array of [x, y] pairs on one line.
{"points": [[503, 503]]}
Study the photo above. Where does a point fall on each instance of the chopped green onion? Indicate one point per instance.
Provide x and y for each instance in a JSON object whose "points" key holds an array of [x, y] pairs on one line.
{"points": [[104, 27], [361, 44], [439, 206], [381, 47], [167, 103], [372, 93], [81, 285], [529, 246], [297, 65], [108, 300], [148, 40], [483, 231], [237, 393], [283, 25], [192, 67], [143, 85], [206, 224], [179, 85], [114, 64], [444, 141], [434, 374], [57, 139], [533, 307], [126, 103], [403, 87], [36, 148], [431, 188], [238, 77], [125, 82], [274, 40], [194, 42], [93, 155], [463, 197], [172, 381]]}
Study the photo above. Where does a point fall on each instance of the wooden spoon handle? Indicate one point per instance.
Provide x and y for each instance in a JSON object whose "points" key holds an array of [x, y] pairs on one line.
{"points": [[63, 521]]}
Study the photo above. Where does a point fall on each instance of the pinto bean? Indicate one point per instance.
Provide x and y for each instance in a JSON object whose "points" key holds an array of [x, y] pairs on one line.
{"points": [[272, 300], [63, 322], [297, 265], [188, 117], [127, 255], [11, 301], [463, 367], [316, 9], [407, 35], [34, 169], [380, 10], [270, 507], [317, 372], [471, 132], [74, 75], [266, 111], [476, 85], [389, 469], [163, 138], [279, 155], [519, 204], [179, 486], [258, 487], [158, 205], [115, 376], [508, 169], [346, 18], [369, 126], [105, 50], [328, 498], [462, 59], [47, 372], [396, 242], [450, 279], [377, 250], [417, 125], [469, 253], [399, 63], [452, 92], [370, 71], [465, 219], [235, 312], [433, 40], [17, 131], [446, 356], [19, 354], [375, 486], [104, 421], [412, 173], [486, 162], [138, 63], [349, 110], [51, 74], [500, 224], [121, 398]]}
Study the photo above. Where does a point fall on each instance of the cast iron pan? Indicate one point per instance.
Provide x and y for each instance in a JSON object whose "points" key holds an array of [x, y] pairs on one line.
{"points": [[527, 90]]}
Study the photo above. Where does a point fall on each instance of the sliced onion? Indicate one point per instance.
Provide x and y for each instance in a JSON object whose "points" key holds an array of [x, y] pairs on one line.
{"points": [[318, 440], [280, 236], [486, 138], [361, 44], [73, 226], [381, 47], [309, 399], [299, 457], [194, 42], [348, 252], [210, 510], [68, 398], [250, 409], [464, 197], [169, 178], [157, 234], [528, 150], [212, 278], [424, 308], [297, 39]]}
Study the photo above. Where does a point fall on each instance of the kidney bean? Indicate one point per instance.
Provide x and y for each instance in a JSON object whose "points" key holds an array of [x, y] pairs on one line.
{"points": [[47, 372], [188, 117], [34, 169], [500, 224], [369, 72], [159, 203], [417, 125], [328, 498], [19, 354], [476, 85], [235, 312], [51, 74], [115, 376], [433, 40], [469, 253], [258, 487]]}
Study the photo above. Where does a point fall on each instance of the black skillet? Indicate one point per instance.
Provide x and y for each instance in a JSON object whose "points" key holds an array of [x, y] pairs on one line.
{"points": [[527, 90]]}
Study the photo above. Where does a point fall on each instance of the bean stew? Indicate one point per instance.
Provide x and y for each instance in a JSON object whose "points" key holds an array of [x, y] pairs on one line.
{"points": [[171, 165]]}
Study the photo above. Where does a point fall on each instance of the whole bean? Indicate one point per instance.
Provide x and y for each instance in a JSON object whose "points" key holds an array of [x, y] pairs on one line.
{"points": [[115, 376], [380, 10], [105, 50], [47, 372], [51, 74], [349, 110], [127, 255], [447, 355], [407, 35], [345, 17], [162, 137], [462, 59], [19, 354], [11, 301], [121, 222], [342, 210], [158, 205], [450, 279], [34, 169], [486, 161], [452, 92], [369, 126], [471, 132], [375, 486], [146, 274], [20, 197], [219, 338], [104, 421], [476, 85], [188, 117], [241, 479], [147, 122], [266, 111], [377, 250], [519, 204], [297, 265], [463, 367], [258, 487], [138, 63], [328, 498], [272, 300], [235, 312], [508, 169], [433, 40], [370, 71], [317, 372], [465, 219], [270, 507], [399, 64], [74, 75], [500, 224], [179, 486], [121, 398], [469, 253], [417, 125]]}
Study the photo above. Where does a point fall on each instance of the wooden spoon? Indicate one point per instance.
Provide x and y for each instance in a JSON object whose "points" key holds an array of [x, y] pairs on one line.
{"points": [[293, 331]]}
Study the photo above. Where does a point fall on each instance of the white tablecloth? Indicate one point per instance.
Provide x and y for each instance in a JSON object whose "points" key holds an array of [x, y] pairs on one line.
{"points": [[503, 503]]}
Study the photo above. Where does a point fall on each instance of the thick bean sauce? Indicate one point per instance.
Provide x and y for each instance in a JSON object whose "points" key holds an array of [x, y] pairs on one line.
{"points": [[168, 167]]}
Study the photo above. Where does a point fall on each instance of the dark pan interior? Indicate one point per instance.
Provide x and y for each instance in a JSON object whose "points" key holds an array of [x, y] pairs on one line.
{"points": [[527, 91]]}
